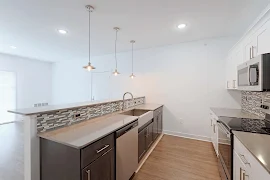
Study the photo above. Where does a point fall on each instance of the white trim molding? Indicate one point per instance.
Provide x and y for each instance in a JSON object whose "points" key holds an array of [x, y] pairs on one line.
{"points": [[189, 136]]}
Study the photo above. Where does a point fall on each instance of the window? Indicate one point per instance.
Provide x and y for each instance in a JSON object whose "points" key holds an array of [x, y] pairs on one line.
{"points": [[7, 96]]}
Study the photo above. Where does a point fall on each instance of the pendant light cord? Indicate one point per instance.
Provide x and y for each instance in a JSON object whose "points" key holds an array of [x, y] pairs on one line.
{"points": [[115, 49], [89, 33], [132, 57]]}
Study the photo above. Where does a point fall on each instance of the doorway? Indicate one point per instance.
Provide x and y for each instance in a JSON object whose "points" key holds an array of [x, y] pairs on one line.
{"points": [[7, 96]]}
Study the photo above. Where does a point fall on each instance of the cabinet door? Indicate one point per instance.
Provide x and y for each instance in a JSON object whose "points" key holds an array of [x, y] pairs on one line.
{"points": [[214, 135], [160, 123], [263, 39], [142, 144], [102, 168], [237, 59], [249, 48], [155, 127], [229, 72], [149, 136], [239, 169]]}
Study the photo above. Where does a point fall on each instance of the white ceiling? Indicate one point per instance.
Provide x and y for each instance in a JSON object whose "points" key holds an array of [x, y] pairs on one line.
{"points": [[31, 25]]}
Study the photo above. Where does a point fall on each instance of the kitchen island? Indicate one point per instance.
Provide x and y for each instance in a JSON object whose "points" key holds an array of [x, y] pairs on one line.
{"points": [[50, 124]]}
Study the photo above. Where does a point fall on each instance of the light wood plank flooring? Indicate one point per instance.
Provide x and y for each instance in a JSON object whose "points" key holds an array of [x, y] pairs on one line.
{"points": [[176, 158], [11, 151]]}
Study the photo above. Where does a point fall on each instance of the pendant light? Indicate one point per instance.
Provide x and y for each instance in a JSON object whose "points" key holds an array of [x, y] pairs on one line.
{"points": [[89, 67], [132, 75], [115, 71]]}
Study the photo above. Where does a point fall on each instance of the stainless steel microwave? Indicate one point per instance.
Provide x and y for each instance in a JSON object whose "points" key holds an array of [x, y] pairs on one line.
{"points": [[254, 75]]}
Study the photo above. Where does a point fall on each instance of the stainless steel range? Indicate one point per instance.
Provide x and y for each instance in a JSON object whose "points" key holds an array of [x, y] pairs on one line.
{"points": [[225, 139]]}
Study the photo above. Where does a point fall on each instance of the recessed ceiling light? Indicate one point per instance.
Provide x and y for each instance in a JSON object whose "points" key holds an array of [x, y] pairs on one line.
{"points": [[13, 47], [181, 26], [62, 31]]}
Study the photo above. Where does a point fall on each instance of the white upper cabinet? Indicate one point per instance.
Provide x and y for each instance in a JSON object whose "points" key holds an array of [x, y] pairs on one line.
{"points": [[234, 59], [249, 45], [262, 39], [257, 42]]}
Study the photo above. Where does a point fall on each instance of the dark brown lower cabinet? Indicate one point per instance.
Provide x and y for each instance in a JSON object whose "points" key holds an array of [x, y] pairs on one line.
{"points": [[155, 127], [149, 135], [160, 123], [101, 168], [142, 144], [145, 140], [93, 162]]}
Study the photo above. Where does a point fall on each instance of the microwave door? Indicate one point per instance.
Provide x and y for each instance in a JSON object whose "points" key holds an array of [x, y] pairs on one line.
{"points": [[254, 75], [243, 77]]}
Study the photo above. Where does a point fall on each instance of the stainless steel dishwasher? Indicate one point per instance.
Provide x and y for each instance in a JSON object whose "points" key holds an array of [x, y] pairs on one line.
{"points": [[127, 151]]}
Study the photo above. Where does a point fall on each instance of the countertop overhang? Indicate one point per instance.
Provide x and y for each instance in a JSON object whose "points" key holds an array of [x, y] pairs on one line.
{"points": [[52, 108]]}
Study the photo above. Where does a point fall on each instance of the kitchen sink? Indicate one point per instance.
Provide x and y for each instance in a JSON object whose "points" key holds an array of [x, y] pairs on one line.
{"points": [[144, 116], [135, 112]]}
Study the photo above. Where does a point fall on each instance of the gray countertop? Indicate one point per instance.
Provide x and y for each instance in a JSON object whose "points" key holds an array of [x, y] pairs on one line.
{"points": [[238, 113], [258, 145], [84, 133]]}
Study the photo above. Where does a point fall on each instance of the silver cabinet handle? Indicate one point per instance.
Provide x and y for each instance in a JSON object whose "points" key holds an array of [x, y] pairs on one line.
{"points": [[88, 174], [211, 122], [241, 174], [243, 158], [105, 147], [227, 84], [251, 52], [234, 84], [249, 58], [214, 128]]}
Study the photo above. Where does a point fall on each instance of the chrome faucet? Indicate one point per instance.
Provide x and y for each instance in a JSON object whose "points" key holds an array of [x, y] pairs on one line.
{"points": [[124, 99]]}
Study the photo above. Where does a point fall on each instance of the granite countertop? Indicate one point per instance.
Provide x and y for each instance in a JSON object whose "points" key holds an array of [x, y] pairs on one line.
{"points": [[258, 145], [237, 113], [84, 133]]}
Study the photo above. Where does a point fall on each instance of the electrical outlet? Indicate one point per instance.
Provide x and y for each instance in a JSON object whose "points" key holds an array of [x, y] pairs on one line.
{"points": [[44, 104], [76, 116]]}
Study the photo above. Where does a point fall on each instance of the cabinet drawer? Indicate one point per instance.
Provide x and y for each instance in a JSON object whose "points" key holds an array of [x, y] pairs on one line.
{"points": [[242, 152], [158, 111], [95, 150]]}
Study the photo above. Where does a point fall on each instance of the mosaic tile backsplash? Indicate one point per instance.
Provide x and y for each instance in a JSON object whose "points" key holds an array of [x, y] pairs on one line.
{"points": [[251, 102], [62, 118]]}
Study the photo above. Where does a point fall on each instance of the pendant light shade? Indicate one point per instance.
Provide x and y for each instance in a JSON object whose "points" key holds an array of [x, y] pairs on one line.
{"points": [[132, 75], [115, 48], [115, 72], [89, 67]]}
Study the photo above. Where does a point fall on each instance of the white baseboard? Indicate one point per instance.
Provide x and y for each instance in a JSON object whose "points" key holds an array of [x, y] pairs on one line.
{"points": [[189, 136]]}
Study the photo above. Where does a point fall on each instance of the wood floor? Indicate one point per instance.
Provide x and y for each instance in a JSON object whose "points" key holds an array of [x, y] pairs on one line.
{"points": [[174, 158], [177, 158], [11, 151]]}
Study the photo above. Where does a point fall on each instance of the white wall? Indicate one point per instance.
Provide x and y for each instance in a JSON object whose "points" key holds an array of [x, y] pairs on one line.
{"points": [[187, 78], [34, 79]]}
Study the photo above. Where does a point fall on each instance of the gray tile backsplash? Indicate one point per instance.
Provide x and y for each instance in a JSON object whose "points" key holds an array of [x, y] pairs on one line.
{"points": [[251, 102], [58, 119]]}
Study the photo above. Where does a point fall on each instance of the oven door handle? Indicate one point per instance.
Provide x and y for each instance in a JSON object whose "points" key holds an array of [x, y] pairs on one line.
{"points": [[221, 126]]}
